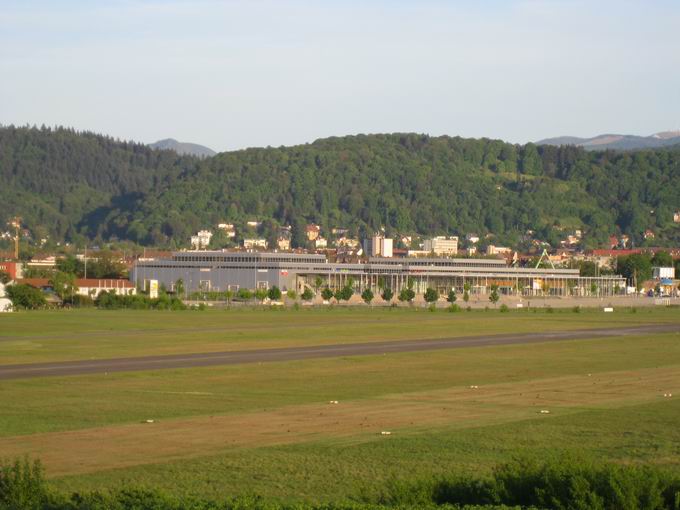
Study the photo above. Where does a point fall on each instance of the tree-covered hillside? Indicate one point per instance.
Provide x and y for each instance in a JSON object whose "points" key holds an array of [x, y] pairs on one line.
{"points": [[79, 184]]}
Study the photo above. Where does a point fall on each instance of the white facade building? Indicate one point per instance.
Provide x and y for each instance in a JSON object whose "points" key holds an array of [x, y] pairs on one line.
{"points": [[379, 246], [5, 304], [201, 240], [442, 245], [663, 272], [255, 243]]}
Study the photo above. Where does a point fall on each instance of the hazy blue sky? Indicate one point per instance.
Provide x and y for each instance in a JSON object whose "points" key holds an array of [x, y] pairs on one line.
{"points": [[233, 74]]}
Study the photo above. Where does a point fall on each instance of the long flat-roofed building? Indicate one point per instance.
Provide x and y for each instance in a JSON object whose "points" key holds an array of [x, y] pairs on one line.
{"points": [[221, 270]]}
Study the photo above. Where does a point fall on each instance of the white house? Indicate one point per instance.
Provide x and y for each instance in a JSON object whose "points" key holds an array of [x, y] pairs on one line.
{"points": [[201, 239], [255, 243], [94, 286], [5, 304]]}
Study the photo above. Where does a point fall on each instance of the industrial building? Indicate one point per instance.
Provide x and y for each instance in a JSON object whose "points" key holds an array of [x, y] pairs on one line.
{"points": [[222, 270]]}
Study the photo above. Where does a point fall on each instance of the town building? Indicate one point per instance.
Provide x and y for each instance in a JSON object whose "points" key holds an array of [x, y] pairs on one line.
{"points": [[312, 231], [347, 242], [497, 250], [321, 243], [378, 246], [442, 245], [91, 287], [663, 272], [472, 238], [283, 243], [228, 229], [201, 240], [13, 269], [251, 244]]}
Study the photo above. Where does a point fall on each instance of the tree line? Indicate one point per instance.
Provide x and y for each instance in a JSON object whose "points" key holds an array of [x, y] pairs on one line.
{"points": [[83, 187]]}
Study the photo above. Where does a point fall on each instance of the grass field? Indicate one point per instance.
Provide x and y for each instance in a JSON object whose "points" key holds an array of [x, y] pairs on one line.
{"points": [[270, 429], [84, 334]]}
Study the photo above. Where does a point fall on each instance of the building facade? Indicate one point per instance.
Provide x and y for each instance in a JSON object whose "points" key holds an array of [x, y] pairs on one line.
{"points": [[441, 245], [220, 271]]}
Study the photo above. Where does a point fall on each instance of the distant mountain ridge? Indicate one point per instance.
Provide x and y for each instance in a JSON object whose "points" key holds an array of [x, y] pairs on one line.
{"points": [[617, 142], [184, 148]]}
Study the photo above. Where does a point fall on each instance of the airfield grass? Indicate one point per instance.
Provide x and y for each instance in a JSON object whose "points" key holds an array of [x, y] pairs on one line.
{"points": [[32, 337], [331, 471], [269, 428]]}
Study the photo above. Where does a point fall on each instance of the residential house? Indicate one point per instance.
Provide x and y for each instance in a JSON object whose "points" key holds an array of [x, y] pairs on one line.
{"points": [[201, 240], [228, 229], [283, 243], [497, 250], [312, 231], [251, 244]]}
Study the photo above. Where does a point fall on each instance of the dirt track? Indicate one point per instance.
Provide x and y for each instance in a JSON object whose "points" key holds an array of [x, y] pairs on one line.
{"points": [[65, 368]]}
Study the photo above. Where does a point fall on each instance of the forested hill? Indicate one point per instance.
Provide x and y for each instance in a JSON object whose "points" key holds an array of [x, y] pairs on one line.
{"points": [[73, 185]]}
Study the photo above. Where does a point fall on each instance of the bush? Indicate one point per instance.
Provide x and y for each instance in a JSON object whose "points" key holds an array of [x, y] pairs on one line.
{"points": [[326, 294], [274, 293], [431, 295], [307, 295], [112, 301], [22, 486], [576, 309], [504, 308], [244, 294], [82, 301], [387, 294], [549, 309], [561, 484], [26, 297], [453, 308]]}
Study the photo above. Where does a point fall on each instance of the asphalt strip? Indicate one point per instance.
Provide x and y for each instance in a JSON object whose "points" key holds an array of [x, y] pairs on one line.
{"points": [[207, 359]]}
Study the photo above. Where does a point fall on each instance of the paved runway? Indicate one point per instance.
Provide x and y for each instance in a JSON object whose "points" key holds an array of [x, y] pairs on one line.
{"points": [[64, 368]]}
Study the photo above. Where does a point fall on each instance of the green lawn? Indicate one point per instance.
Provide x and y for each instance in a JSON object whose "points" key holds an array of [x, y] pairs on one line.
{"points": [[342, 470], [214, 435], [32, 337]]}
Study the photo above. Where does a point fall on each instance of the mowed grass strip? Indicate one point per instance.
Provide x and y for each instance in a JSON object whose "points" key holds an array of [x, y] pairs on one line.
{"points": [[95, 334], [73, 402], [91, 450], [340, 469], [67, 403]]}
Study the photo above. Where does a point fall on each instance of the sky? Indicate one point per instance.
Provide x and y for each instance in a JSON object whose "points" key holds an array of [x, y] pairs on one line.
{"points": [[236, 74]]}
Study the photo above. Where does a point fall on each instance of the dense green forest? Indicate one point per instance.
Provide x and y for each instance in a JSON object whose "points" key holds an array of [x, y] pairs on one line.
{"points": [[82, 186]]}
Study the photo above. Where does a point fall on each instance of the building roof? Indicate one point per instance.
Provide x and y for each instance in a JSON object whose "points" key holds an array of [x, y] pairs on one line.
{"points": [[108, 283]]}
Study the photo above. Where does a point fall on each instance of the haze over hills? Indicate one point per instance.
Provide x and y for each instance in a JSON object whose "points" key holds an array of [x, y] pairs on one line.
{"points": [[617, 142], [183, 148]]}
